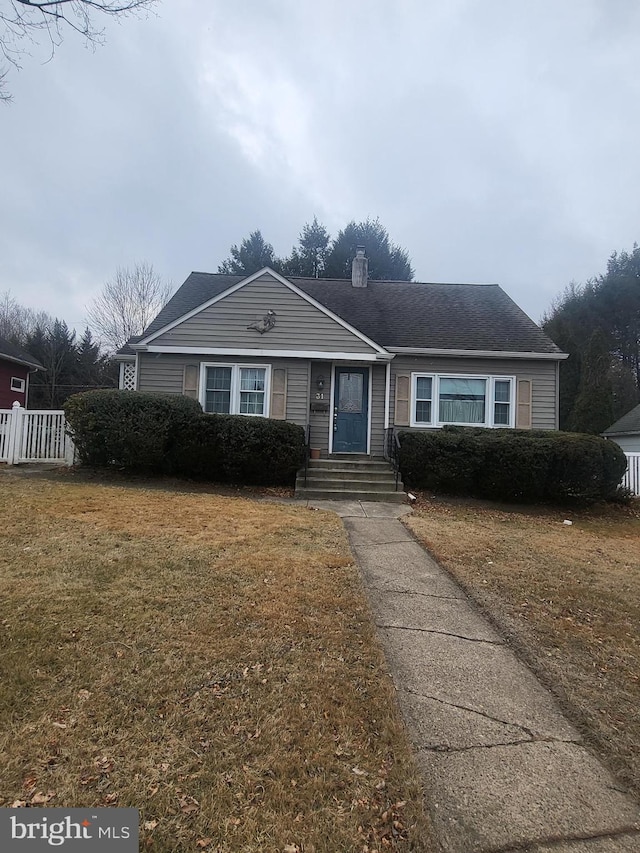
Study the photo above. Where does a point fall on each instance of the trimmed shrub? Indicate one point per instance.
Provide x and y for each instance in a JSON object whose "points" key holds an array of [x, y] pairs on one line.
{"points": [[512, 465], [128, 429], [169, 434], [238, 449]]}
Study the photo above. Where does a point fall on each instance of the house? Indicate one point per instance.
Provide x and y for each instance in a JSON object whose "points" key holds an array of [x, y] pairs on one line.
{"points": [[15, 366], [349, 359], [626, 431]]}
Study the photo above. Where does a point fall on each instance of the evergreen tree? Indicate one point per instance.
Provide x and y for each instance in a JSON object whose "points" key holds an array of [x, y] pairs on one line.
{"points": [[593, 407], [310, 258], [55, 349], [386, 260], [610, 306], [93, 369], [252, 255]]}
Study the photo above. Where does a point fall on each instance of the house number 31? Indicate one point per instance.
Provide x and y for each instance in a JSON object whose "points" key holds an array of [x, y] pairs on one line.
{"points": [[320, 395]]}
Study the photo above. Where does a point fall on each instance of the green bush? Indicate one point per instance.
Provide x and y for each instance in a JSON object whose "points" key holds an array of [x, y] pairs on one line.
{"points": [[512, 465], [239, 449], [128, 429], [169, 434]]}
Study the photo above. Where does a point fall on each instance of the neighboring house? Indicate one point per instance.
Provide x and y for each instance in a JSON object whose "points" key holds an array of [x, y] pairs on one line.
{"points": [[349, 358], [626, 431], [15, 366]]}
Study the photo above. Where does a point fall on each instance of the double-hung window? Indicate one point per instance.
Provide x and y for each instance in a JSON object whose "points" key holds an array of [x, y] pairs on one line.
{"points": [[439, 399], [235, 389]]}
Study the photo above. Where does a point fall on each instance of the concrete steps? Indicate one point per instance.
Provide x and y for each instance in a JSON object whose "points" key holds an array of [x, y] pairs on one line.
{"points": [[345, 477]]}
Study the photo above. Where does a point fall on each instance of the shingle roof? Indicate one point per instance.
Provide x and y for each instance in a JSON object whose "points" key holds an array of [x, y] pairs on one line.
{"points": [[397, 313], [17, 354], [628, 424], [432, 316]]}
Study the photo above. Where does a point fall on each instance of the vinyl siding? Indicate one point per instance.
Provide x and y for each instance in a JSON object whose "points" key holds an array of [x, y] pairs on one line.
{"points": [[320, 422], [541, 373], [163, 373], [299, 325], [377, 409], [629, 443]]}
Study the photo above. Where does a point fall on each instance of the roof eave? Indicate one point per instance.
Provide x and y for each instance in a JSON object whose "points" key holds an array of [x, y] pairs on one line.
{"points": [[469, 353], [32, 364]]}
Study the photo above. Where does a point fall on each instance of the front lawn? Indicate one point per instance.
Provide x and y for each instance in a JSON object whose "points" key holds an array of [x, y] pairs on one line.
{"points": [[209, 660], [568, 595]]}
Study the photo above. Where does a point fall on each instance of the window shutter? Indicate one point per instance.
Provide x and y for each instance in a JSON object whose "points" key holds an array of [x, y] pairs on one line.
{"points": [[403, 399], [278, 393], [190, 380], [523, 414]]}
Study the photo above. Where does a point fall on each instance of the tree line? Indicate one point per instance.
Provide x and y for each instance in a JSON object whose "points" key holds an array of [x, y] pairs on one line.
{"points": [[598, 324], [71, 364], [317, 255]]}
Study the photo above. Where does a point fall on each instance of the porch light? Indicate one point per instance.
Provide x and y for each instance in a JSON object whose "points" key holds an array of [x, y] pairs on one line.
{"points": [[320, 383]]}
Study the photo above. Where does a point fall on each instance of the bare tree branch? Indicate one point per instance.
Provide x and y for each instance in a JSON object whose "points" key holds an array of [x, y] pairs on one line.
{"points": [[127, 304], [22, 21], [17, 323]]}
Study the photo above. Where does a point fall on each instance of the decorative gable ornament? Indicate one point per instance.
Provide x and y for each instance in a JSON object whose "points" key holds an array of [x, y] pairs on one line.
{"points": [[267, 322]]}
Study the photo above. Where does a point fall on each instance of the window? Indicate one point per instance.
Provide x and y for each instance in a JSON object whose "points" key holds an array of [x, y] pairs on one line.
{"points": [[17, 384], [462, 401], [423, 399], [502, 402], [485, 401], [218, 390], [235, 389]]}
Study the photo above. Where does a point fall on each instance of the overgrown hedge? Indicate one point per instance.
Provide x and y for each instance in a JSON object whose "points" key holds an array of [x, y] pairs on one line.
{"points": [[512, 465], [169, 434]]}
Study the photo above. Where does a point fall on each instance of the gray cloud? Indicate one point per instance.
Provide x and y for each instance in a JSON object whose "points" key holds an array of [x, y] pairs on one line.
{"points": [[496, 141]]}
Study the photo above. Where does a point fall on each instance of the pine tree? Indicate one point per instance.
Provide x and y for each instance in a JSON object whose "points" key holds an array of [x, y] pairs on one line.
{"points": [[252, 255], [310, 258], [386, 260]]}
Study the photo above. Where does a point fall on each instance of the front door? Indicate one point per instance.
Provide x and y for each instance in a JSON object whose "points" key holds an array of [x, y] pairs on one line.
{"points": [[351, 410]]}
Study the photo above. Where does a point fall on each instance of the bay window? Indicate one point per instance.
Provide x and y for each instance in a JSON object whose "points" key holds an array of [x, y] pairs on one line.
{"points": [[235, 389], [438, 399]]}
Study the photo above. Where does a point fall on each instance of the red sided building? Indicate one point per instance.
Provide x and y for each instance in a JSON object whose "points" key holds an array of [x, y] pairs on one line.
{"points": [[15, 366]]}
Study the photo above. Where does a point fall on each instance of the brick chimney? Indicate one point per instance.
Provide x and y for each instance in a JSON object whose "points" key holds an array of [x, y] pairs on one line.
{"points": [[359, 268]]}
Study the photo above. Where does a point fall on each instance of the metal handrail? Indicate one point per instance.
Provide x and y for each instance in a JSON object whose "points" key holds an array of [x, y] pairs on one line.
{"points": [[307, 450], [391, 447]]}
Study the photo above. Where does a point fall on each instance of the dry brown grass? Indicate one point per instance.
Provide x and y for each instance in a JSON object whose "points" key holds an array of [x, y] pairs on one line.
{"points": [[569, 596], [207, 659]]}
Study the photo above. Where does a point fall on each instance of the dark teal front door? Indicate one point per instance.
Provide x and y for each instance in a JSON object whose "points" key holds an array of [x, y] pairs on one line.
{"points": [[351, 410]]}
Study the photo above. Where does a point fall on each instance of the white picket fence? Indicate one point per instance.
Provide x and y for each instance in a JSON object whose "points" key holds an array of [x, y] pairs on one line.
{"points": [[34, 436], [632, 477]]}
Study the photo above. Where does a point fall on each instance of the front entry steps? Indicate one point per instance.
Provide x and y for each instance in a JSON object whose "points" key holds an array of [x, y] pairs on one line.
{"points": [[349, 477]]}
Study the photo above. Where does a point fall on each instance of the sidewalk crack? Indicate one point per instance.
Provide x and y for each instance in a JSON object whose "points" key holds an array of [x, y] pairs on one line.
{"points": [[443, 633], [412, 592], [493, 719]]}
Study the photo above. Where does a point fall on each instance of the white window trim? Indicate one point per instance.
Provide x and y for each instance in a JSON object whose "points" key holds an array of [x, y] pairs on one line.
{"points": [[490, 401], [21, 386], [234, 403]]}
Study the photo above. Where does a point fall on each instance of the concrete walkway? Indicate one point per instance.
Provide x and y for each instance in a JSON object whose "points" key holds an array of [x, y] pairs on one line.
{"points": [[503, 769]]}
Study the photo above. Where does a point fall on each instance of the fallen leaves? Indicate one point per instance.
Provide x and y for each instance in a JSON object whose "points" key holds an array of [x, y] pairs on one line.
{"points": [[188, 805]]}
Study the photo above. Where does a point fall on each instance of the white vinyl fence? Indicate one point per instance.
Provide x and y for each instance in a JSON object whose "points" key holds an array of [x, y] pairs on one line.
{"points": [[34, 436], [632, 477]]}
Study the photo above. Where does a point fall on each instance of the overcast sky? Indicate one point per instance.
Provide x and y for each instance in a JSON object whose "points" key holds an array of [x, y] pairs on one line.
{"points": [[497, 140]]}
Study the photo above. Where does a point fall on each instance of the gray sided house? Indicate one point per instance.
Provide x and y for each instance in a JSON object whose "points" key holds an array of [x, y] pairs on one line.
{"points": [[349, 359], [626, 431]]}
